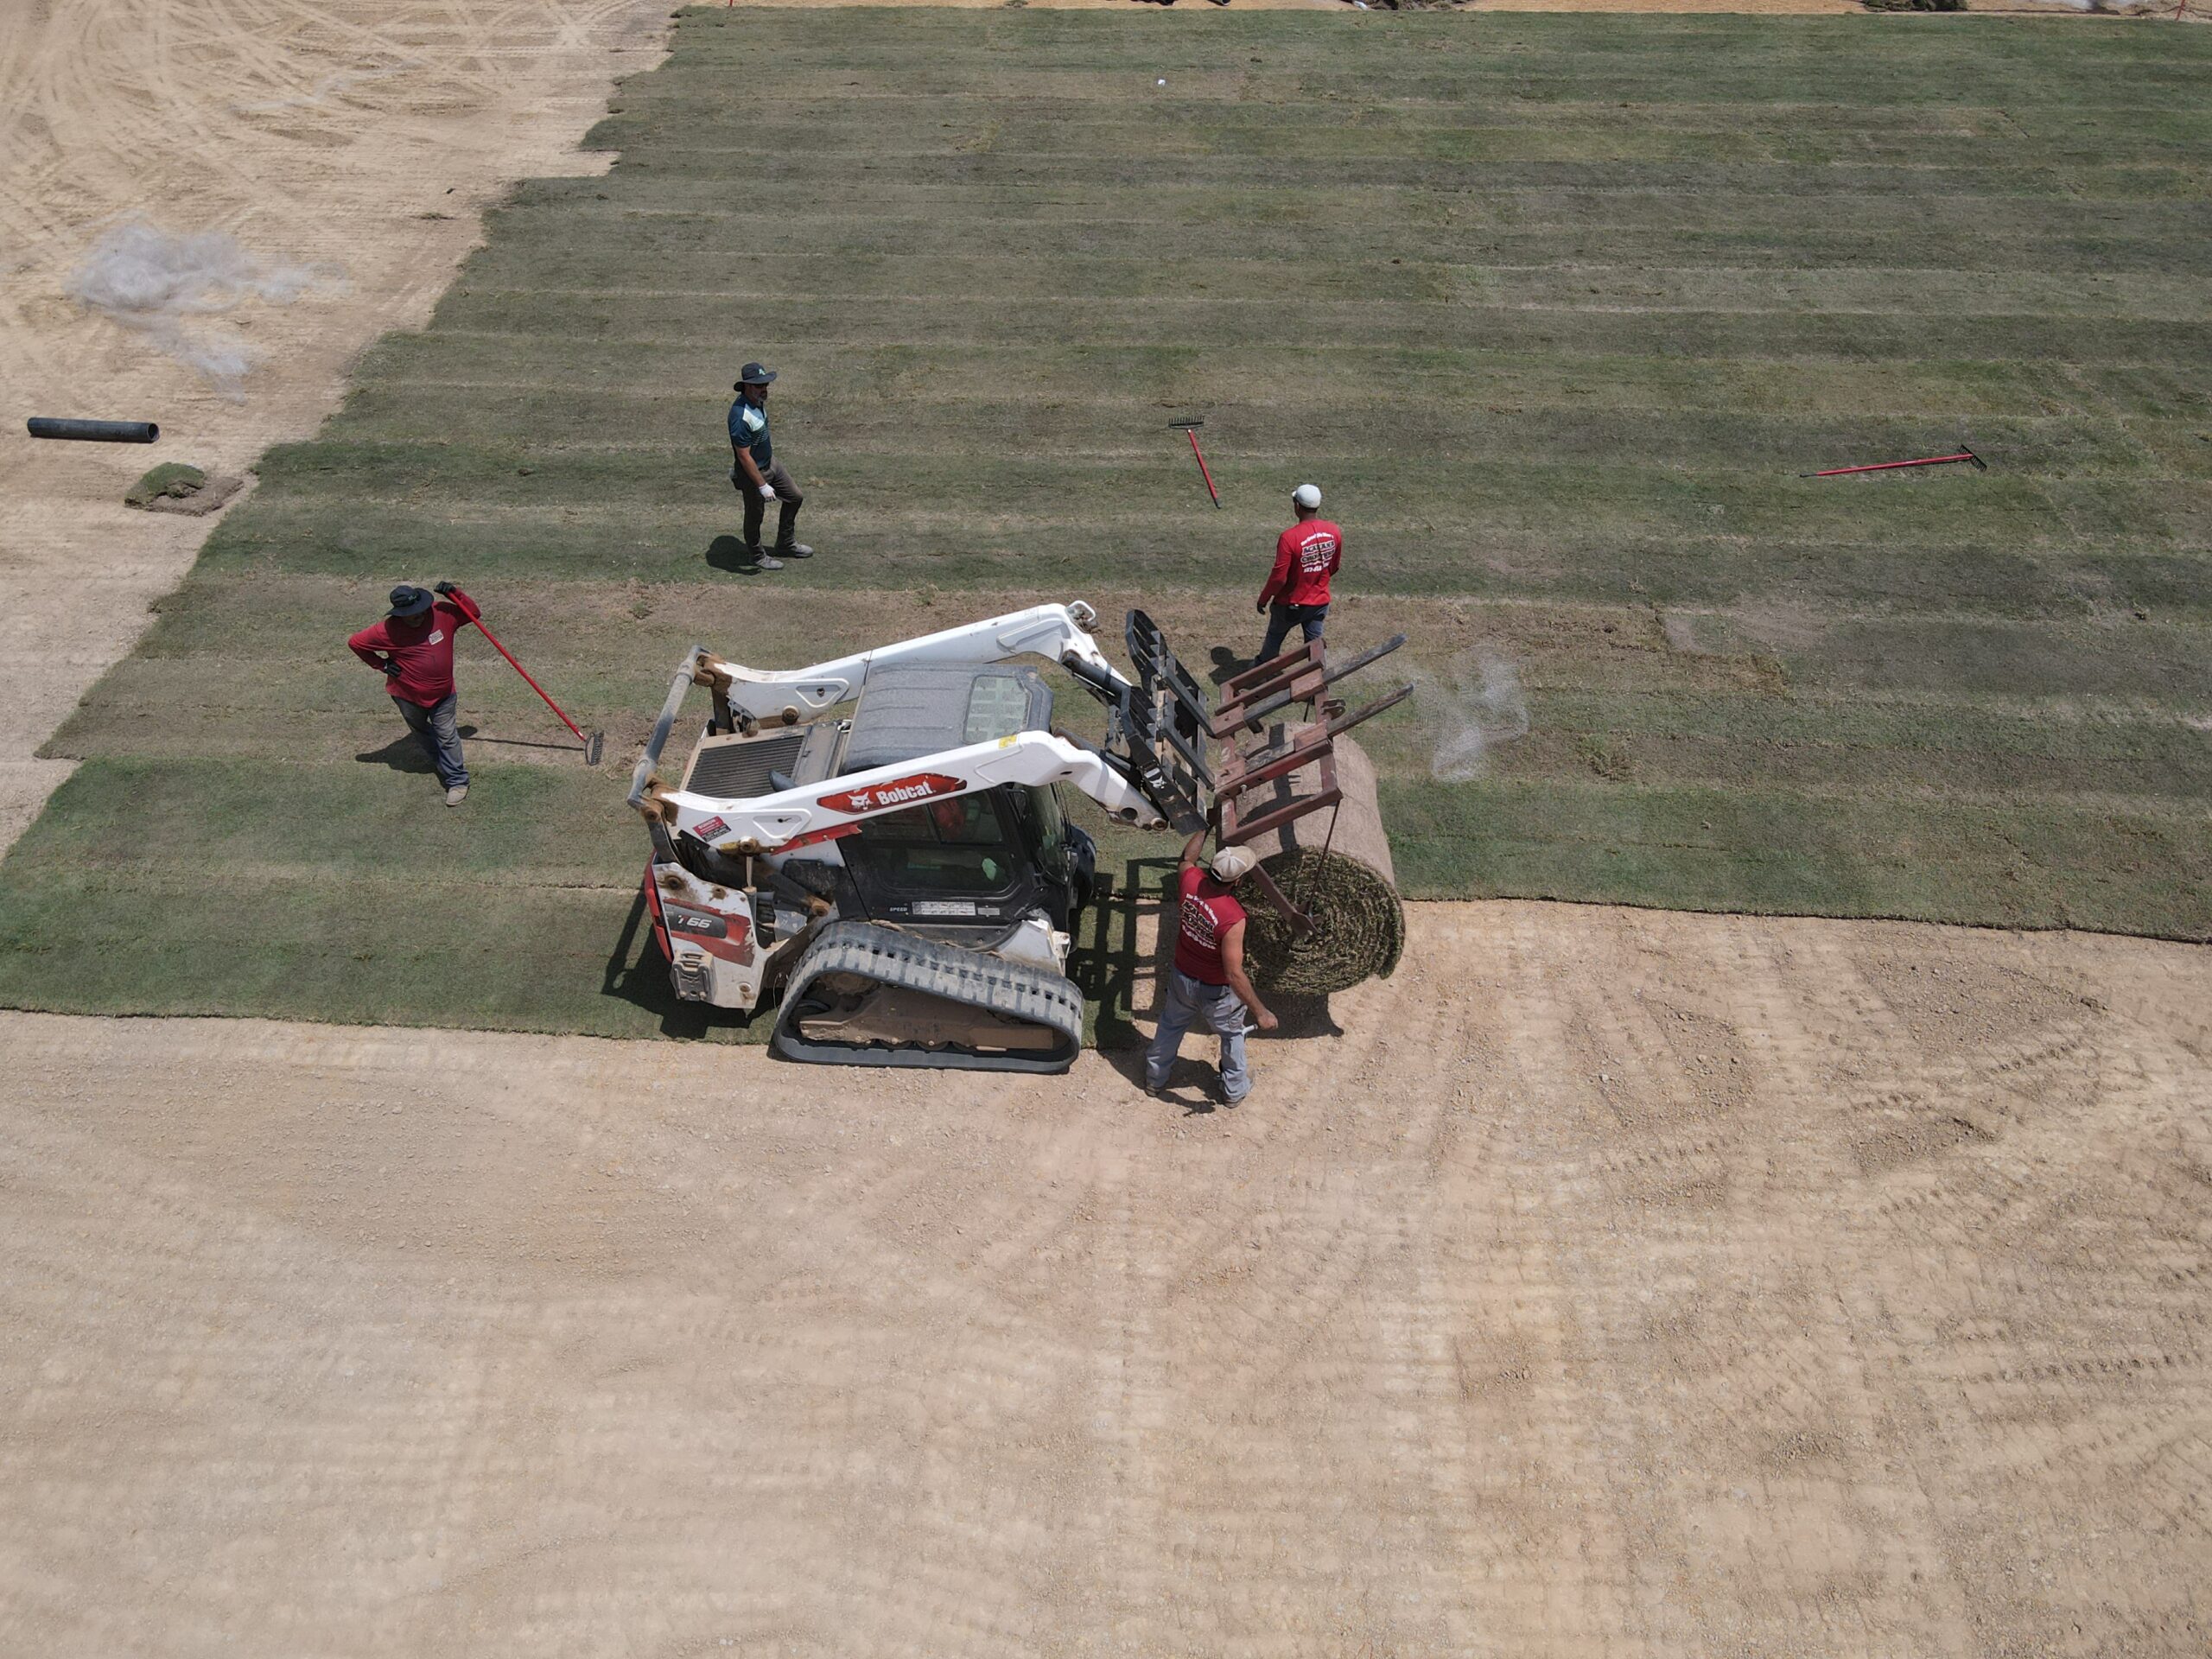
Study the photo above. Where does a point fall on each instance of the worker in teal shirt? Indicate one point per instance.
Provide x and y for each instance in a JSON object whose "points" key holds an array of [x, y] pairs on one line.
{"points": [[759, 476]]}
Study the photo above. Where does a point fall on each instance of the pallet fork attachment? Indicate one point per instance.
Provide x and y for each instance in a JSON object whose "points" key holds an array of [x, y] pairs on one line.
{"points": [[1168, 710]]}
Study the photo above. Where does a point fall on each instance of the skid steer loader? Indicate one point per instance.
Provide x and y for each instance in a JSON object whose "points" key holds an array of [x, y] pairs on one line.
{"points": [[903, 874]]}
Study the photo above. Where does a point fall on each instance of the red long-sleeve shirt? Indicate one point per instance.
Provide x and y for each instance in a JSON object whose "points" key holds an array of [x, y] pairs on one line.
{"points": [[422, 648], [1307, 555]]}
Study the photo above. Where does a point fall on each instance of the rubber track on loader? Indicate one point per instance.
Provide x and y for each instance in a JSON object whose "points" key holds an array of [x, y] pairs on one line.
{"points": [[1046, 1003]]}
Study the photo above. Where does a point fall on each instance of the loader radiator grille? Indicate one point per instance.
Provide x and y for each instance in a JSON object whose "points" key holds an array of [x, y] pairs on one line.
{"points": [[739, 770]]}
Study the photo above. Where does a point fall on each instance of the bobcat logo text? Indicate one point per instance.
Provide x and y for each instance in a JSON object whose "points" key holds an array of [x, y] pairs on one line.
{"points": [[900, 791]]}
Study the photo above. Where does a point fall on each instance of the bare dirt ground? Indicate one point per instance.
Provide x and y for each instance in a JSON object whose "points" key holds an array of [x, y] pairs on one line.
{"points": [[1614, 1284], [1617, 1283]]}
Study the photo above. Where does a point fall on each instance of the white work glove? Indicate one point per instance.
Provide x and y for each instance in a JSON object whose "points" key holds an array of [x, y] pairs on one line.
{"points": [[768, 492]]}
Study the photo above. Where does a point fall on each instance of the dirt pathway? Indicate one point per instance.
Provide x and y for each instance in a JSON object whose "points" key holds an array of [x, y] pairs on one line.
{"points": [[1617, 1284]]}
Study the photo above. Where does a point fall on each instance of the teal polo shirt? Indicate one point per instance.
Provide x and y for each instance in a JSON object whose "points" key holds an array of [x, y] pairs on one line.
{"points": [[748, 428]]}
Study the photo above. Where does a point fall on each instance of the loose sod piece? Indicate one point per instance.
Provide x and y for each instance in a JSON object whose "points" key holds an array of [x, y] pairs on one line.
{"points": [[170, 477], [1335, 866]]}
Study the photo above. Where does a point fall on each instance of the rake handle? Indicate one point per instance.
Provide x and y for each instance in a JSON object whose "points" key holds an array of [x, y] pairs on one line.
{"points": [[479, 620], [1193, 437], [1888, 466]]}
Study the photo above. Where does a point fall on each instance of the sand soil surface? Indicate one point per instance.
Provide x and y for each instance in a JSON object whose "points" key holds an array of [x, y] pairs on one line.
{"points": [[1614, 1284]]}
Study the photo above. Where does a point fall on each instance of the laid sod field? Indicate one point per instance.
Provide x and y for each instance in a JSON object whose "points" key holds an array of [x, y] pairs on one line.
{"points": [[1556, 310]]}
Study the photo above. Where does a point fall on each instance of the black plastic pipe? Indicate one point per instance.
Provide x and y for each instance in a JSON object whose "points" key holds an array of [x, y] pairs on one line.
{"points": [[44, 426]]}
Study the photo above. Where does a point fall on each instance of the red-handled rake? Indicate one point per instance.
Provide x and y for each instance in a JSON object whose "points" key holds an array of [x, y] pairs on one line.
{"points": [[1189, 429], [1980, 465], [593, 744]]}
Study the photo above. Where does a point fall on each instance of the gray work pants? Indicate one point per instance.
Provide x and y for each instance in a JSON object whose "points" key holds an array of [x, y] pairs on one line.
{"points": [[788, 502], [1281, 619], [436, 730], [1183, 1002]]}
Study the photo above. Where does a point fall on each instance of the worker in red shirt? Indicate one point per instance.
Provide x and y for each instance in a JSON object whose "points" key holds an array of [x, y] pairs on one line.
{"points": [[1208, 980], [412, 648], [1307, 555]]}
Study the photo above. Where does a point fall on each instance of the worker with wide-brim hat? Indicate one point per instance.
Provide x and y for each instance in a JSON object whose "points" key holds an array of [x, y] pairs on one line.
{"points": [[412, 648], [759, 476]]}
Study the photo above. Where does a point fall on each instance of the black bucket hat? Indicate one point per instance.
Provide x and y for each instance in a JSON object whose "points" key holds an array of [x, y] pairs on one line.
{"points": [[408, 601], [754, 375]]}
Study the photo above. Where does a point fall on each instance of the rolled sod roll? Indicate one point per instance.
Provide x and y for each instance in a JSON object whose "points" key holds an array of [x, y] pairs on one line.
{"points": [[1342, 878]]}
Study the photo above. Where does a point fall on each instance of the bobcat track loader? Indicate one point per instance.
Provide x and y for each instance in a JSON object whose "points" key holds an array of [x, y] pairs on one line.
{"points": [[904, 874]]}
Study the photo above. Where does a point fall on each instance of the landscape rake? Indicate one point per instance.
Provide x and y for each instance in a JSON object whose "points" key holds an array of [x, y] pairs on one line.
{"points": [[593, 744]]}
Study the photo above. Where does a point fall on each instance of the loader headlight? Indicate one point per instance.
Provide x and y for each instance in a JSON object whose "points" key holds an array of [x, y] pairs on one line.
{"points": [[683, 920]]}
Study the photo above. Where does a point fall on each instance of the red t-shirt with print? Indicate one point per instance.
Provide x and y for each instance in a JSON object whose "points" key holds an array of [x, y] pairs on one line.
{"points": [[423, 648], [1206, 911], [1307, 555]]}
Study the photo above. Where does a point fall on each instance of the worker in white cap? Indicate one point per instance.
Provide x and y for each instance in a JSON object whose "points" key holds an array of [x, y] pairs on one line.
{"points": [[1208, 980], [1307, 555]]}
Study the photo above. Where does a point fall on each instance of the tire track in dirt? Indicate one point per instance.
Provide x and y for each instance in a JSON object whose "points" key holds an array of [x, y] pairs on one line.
{"points": [[1836, 1421], [2022, 1068]]}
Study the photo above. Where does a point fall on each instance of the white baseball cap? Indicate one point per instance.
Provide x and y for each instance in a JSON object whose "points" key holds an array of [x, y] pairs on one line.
{"points": [[1306, 495], [1232, 864]]}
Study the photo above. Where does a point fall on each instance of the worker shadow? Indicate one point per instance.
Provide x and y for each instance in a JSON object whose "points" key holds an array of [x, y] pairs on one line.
{"points": [[638, 974], [1123, 962], [729, 553], [1224, 662], [404, 753]]}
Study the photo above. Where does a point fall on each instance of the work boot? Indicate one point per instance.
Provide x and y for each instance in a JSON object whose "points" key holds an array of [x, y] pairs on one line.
{"points": [[456, 795], [795, 550], [760, 559]]}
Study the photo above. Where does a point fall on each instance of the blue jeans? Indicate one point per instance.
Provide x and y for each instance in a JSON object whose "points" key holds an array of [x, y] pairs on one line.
{"points": [[435, 730], [1281, 619], [1183, 1002]]}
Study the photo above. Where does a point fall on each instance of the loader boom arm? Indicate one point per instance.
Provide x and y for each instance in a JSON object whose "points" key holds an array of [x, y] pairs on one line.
{"points": [[1055, 633], [814, 812]]}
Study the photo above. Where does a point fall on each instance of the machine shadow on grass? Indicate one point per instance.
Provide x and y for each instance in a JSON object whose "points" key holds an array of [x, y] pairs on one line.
{"points": [[637, 974], [1120, 979]]}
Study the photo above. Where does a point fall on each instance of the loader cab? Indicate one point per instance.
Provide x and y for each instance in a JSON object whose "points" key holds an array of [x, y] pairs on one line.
{"points": [[963, 868]]}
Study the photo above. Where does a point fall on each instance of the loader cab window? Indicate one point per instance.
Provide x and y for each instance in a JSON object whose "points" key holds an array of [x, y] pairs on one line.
{"points": [[998, 704], [969, 820], [955, 845], [1040, 805]]}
